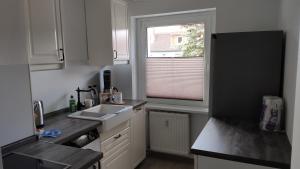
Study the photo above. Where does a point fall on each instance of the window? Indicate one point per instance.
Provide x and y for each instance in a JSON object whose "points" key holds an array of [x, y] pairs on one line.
{"points": [[175, 71], [172, 57]]}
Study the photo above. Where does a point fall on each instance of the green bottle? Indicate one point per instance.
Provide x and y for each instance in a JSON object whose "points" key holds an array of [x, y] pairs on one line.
{"points": [[72, 104]]}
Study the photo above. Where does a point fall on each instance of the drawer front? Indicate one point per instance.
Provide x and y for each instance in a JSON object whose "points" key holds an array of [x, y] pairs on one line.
{"points": [[108, 146], [106, 135], [116, 148], [117, 160]]}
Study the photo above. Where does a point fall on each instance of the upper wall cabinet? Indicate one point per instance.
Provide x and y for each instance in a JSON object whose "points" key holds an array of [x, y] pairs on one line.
{"points": [[45, 43], [107, 31], [120, 31]]}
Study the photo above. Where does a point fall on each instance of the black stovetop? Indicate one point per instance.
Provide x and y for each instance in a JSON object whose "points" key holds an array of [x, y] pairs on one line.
{"points": [[19, 161]]}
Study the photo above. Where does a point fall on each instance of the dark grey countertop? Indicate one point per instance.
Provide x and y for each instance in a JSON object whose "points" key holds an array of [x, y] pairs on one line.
{"points": [[71, 128], [77, 158], [50, 148], [243, 142], [134, 103]]}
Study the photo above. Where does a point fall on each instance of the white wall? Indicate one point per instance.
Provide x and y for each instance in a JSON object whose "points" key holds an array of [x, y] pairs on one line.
{"points": [[204, 162], [232, 15], [54, 87], [290, 22], [296, 126], [16, 120]]}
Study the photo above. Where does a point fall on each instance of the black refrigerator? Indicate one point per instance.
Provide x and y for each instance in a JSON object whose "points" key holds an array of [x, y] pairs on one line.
{"points": [[244, 67]]}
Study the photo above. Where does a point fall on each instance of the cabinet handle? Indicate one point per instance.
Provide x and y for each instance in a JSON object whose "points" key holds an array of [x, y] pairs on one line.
{"points": [[115, 54], [167, 123], [61, 54], [118, 136]]}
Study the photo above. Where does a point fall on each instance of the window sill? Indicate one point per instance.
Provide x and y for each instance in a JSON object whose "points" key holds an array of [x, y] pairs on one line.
{"points": [[177, 108]]}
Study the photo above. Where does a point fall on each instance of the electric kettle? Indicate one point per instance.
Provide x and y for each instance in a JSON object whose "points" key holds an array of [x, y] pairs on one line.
{"points": [[38, 111]]}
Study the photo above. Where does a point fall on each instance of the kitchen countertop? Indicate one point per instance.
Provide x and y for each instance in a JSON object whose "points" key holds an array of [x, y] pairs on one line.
{"points": [[50, 148], [243, 142], [71, 128], [77, 158], [134, 103]]}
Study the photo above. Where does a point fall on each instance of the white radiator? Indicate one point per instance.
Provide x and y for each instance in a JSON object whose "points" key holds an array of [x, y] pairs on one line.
{"points": [[169, 132]]}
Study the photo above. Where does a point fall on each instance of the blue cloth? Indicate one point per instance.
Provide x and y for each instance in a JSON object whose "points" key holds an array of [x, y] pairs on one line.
{"points": [[53, 133]]}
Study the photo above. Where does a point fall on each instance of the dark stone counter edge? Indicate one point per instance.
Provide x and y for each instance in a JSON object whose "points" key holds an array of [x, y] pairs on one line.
{"points": [[140, 104], [64, 139], [10, 148], [240, 159], [93, 161]]}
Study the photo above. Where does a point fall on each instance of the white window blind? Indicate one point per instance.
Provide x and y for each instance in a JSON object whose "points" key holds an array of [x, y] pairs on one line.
{"points": [[175, 78], [175, 70]]}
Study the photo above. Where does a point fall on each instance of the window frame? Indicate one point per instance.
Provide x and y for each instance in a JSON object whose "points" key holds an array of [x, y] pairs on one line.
{"points": [[140, 50]]}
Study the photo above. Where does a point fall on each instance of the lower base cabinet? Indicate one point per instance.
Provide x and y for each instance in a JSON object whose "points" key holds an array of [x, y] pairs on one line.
{"points": [[169, 133], [124, 147], [115, 146], [120, 160], [138, 136], [203, 162]]}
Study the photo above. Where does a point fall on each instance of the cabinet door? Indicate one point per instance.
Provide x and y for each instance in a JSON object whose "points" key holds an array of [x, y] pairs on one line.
{"points": [[44, 31], [139, 136], [120, 161], [99, 27], [169, 132], [120, 30], [204, 162], [160, 131]]}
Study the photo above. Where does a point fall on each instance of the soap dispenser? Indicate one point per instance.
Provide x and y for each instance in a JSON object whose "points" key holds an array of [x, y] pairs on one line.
{"points": [[72, 104]]}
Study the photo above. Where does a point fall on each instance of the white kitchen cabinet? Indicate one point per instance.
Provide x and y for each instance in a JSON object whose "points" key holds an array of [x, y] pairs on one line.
{"points": [[169, 132], [119, 30], [99, 28], [107, 32], [115, 146], [120, 160], [44, 34], [138, 135], [203, 162]]}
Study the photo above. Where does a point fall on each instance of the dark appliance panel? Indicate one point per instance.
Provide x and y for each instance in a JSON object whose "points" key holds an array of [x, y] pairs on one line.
{"points": [[244, 67]]}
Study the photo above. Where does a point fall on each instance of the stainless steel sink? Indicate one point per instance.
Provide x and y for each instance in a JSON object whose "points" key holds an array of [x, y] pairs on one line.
{"points": [[109, 115]]}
